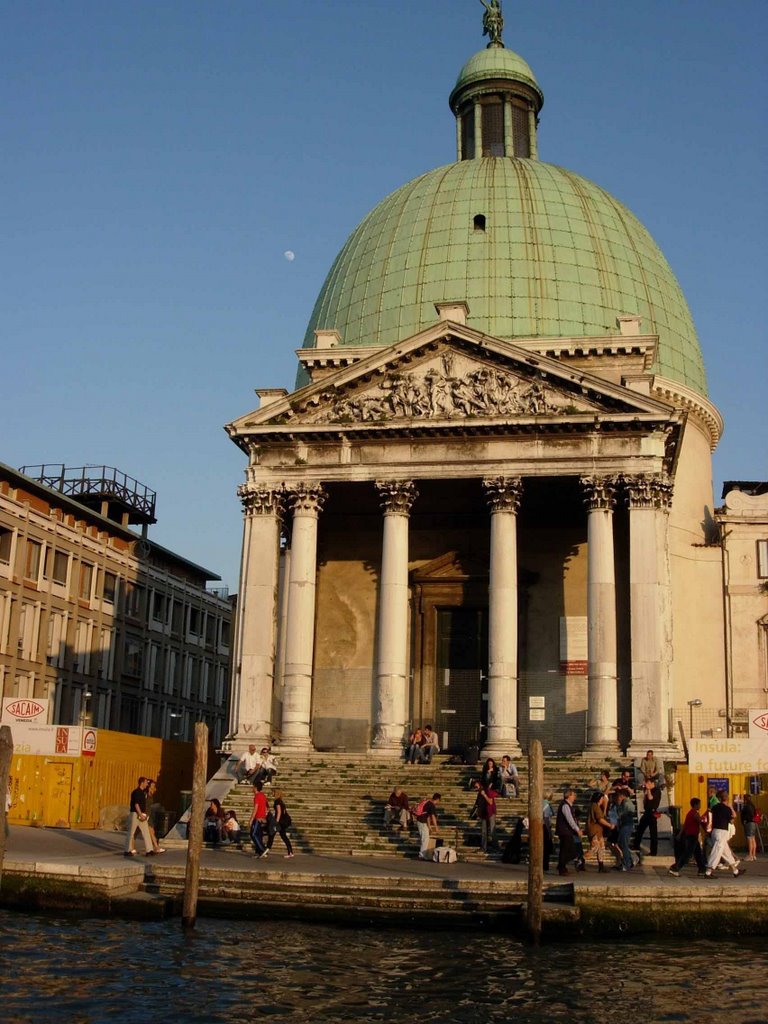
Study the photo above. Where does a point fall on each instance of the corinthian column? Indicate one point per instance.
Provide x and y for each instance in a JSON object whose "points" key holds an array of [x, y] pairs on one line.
{"points": [[391, 701], [602, 697], [503, 495], [251, 708], [306, 501], [650, 610]]}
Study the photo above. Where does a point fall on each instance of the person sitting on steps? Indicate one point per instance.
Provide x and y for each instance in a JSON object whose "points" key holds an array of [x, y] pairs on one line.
{"points": [[397, 807], [429, 744]]}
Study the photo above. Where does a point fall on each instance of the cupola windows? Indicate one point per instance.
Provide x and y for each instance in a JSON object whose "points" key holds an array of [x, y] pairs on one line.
{"points": [[479, 222], [493, 128]]}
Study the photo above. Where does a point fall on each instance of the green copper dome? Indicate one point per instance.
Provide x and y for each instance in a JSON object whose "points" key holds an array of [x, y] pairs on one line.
{"points": [[535, 250], [496, 63]]}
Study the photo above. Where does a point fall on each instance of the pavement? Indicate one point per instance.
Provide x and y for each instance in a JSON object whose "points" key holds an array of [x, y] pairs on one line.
{"points": [[95, 848]]}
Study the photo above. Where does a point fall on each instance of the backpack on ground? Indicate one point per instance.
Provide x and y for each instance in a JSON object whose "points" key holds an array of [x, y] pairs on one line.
{"points": [[444, 855]]}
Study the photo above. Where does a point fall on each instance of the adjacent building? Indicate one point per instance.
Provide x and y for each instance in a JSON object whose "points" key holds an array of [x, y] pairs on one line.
{"points": [[110, 628]]}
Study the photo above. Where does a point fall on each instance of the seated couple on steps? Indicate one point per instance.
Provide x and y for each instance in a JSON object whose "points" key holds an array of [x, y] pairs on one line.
{"points": [[422, 744]]}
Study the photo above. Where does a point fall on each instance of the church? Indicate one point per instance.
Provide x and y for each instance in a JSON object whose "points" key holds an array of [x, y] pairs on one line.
{"points": [[487, 503]]}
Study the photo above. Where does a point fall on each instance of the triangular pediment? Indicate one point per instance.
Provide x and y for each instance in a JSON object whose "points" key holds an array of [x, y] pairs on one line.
{"points": [[451, 566], [450, 373]]}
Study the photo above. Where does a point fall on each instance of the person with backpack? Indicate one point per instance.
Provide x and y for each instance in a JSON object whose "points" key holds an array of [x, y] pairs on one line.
{"points": [[425, 814]]}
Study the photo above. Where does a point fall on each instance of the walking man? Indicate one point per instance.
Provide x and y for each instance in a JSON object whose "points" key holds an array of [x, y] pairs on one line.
{"points": [[137, 819], [567, 832]]}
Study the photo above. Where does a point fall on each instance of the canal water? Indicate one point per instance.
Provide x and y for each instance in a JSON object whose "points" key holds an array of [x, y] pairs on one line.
{"points": [[87, 972]]}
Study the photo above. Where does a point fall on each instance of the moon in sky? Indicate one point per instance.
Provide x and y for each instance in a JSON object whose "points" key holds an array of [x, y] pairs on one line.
{"points": [[289, 255]]}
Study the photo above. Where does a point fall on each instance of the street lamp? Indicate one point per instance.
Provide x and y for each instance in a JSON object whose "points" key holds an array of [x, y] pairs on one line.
{"points": [[695, 703], [85, 696]]}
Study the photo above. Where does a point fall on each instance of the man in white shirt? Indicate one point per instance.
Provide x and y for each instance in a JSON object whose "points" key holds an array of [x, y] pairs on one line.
{"points": [[248, 765]]}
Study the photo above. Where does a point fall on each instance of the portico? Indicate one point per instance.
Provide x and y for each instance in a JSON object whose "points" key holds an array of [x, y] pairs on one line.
{"points": [[375, 470]]}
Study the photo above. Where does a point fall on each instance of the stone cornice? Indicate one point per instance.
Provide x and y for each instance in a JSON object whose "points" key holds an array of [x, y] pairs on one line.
{"points": [[696, 405]]}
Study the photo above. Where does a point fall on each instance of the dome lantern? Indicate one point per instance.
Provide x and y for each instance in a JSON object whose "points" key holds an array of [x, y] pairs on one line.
{"points": [[496, 99]]}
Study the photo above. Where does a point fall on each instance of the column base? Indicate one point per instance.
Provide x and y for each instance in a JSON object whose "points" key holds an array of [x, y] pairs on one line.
{"points": [[387, 753], [303, 744], [603, 749], [667, 750], [497, 750]]}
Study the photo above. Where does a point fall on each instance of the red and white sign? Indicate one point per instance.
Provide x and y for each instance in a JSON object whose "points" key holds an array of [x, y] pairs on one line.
{"points": [[25, 709], [89, 743], [47, 740], [758, 722]]}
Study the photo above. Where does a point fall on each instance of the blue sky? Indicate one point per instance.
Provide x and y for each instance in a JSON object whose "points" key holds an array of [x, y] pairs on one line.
{"points": [[159, 158]]}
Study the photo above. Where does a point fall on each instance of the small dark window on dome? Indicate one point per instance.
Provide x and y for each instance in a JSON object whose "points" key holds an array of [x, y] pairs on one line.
{"points": [[479, 222]]}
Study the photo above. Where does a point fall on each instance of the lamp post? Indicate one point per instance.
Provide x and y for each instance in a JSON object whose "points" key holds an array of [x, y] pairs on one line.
{"points": [[85, 696], [695, 703]]}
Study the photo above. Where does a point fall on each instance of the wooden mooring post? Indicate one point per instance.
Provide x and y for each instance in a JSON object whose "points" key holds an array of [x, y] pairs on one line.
{"points": [[195, 826], [535, 839], [6, 753]]}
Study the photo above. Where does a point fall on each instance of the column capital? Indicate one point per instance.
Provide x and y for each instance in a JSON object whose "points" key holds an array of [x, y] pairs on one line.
{"points": [[307, 497], [261, 500], [648, 491], [599, 491], [397, 496], [503, 493]]}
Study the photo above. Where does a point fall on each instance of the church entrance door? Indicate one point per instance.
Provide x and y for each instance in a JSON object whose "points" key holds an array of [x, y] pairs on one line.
{"points": [[461, 670]]}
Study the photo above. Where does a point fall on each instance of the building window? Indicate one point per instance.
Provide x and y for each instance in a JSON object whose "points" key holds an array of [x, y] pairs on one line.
{"points": [[6, 539], [133, 660], [176, 617], [762, 559], [110, 587], [159, 607], [32, 560], [134, 600], [225, 632], [210, 630], [86, 581], [56, 566], [194, 621]]}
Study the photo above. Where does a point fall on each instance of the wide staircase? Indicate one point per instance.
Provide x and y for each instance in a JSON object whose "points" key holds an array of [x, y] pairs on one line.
{"points": [[336, 802]]}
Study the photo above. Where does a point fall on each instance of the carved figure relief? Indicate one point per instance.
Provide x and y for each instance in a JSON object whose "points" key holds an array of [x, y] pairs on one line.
{"points": [[439, 393]]}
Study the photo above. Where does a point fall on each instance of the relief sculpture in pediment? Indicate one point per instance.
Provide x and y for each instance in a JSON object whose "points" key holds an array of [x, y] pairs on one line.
{"points": [[439, 393]]}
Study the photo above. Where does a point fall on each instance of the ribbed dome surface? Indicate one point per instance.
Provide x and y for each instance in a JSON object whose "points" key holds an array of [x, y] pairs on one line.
{"points": [[559, 258]]}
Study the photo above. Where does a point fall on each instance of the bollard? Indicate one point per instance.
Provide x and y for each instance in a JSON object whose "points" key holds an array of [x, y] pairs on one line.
{"points": [[535, 839], [195, 827], [6, 753]]}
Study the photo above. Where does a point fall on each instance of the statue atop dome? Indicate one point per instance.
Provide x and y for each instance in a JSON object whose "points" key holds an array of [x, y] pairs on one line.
{"points": [[493, 22]]}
